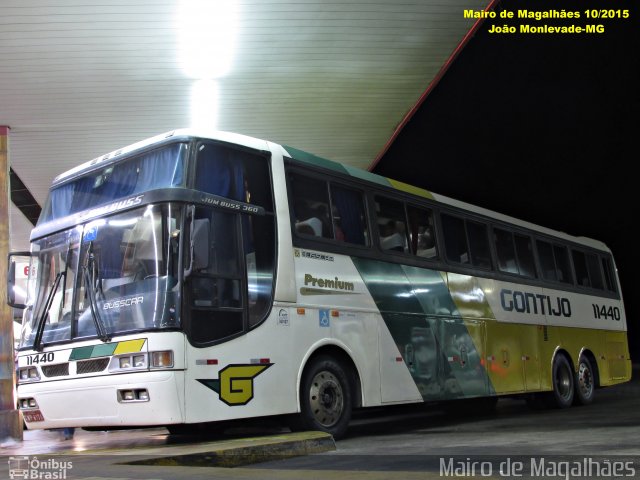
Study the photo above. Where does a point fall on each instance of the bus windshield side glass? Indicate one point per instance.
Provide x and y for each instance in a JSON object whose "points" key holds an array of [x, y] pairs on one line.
{"points": [[159, 168], [126, 264]]}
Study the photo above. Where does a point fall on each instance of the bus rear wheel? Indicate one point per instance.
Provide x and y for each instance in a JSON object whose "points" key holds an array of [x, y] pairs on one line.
{"points": [[563, 384], [325, 397], [585, 384]]}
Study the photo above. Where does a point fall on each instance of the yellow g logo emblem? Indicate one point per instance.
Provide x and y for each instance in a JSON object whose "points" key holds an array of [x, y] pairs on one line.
{"points": [[235, 382]]}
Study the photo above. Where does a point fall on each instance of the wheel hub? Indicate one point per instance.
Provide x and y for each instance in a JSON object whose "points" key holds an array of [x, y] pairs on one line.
{"points": [[326, 399], [585, 380]]}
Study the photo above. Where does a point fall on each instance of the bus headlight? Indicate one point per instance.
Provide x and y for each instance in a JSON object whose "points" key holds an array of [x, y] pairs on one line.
{"points": [[128, 395], [27, 403], [129, 362], [135, 395], [28, 374], [162, 359]]}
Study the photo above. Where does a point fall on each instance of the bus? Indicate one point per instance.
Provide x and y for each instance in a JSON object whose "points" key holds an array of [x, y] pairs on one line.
{"points": [[198, 277]]}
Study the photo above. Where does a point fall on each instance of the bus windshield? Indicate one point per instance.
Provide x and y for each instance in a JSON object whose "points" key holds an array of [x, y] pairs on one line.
{"points": [[112, 275], [159, 168]]}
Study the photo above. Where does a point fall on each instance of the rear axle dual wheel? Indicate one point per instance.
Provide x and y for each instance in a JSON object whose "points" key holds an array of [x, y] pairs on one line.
{"points": [[569, 387], [563, 382], [585, 382]]}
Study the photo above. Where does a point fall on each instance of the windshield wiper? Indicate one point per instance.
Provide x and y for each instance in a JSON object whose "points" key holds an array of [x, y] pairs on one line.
{"points": [[37, 341], [64, 274], [91, 293]]}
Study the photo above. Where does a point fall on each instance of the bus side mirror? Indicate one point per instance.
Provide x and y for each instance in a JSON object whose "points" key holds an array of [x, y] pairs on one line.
{"points": [[17, 275]]}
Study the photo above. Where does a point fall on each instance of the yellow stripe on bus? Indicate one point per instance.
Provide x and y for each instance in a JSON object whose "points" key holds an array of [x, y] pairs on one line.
{"points": [[405, 187], [130, 346]]}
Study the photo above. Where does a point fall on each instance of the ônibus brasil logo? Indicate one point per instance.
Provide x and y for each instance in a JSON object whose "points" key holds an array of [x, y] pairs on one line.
{"points": [[37, 468]]}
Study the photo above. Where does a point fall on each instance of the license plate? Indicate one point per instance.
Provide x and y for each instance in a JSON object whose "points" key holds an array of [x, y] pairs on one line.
{"points": [[33, 416]]}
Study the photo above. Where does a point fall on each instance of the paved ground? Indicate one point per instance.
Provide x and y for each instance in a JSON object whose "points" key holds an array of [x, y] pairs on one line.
{"points": [[402, 442]]}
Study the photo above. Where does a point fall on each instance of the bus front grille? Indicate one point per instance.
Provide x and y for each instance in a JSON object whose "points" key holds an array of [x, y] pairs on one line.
{"points": [[58, 370], [92, 366]]}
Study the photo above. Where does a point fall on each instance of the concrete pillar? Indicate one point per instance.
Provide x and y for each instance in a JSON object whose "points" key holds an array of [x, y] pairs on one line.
{"points": [[10, 423]]}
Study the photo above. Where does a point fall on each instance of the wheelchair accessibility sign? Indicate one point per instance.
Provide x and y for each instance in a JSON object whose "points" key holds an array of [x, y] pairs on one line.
{"points": [[324, 318]]}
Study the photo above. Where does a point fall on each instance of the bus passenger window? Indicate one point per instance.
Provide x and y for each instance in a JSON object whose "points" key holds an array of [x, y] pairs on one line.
{"points": [[479, 244], [524, 250], [505, 250], [563, 268], [515, 253], [580, 267], [311, 207], [547, 264], [421, 232], [455, 240], [219, 172], [348, 217], [609, 277], [595, 275], [233, 173], [466, 241], [392, 225]]}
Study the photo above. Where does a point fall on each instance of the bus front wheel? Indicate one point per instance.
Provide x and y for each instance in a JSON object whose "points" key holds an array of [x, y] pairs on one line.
{"points": [[325, 397]]}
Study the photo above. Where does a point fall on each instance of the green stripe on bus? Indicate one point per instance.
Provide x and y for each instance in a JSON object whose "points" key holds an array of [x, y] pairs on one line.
{"points": [[93, 351], [81, 353], [367, 176], [104, 350], [309, 158], [405, 187], [426, 325]]}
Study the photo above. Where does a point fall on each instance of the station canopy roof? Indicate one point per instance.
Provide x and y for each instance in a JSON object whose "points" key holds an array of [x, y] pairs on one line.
{"points": [[79, 79]]}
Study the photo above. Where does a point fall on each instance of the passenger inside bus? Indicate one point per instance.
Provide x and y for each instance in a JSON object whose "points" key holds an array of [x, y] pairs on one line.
{"points": [[426, 243], [311, 219], [392, 236]]}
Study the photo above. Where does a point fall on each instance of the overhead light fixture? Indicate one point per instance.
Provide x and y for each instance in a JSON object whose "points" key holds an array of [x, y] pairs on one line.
{"points": [[207, 31]]}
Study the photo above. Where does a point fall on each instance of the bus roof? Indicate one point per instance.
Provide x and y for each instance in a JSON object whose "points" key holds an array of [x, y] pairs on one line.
{"points": [[319, 162], [102, 160]]}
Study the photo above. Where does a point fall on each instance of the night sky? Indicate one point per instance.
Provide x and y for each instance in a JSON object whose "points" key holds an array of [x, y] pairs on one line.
{"points": [[541, 127]]}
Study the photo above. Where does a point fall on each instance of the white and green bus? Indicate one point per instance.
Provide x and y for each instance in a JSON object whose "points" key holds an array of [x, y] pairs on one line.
{"points": [[200, 277]]}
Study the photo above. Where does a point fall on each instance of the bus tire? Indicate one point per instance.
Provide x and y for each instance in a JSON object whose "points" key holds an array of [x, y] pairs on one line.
{"points": [[325, 397], [585, 382], [563, 382]]}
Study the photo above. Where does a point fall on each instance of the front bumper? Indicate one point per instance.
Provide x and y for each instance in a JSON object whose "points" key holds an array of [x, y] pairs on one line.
{"points": [[96, 402]]}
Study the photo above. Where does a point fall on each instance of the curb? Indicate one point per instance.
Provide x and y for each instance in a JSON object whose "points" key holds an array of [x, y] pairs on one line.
{"points": [[246, 451]]}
